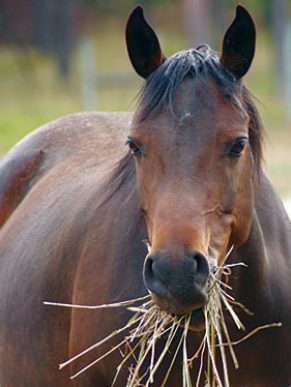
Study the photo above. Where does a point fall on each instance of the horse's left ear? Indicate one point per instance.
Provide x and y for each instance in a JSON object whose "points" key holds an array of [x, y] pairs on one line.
{"points": [[142, 44], [239, 43]]}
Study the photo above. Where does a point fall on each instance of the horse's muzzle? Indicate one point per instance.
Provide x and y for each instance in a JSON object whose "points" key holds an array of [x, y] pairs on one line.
{"points": [[177, 284]]}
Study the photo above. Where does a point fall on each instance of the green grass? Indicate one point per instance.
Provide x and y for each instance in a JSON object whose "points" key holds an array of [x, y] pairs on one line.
{"points": [[32, 94]]}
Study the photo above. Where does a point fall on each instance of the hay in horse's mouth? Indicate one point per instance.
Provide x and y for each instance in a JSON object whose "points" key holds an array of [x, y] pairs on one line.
{"points": [[149, 324]]}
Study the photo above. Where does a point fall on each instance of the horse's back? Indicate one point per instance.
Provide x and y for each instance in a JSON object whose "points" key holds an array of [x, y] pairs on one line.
{"points": [[45, 180], [75, 141]]}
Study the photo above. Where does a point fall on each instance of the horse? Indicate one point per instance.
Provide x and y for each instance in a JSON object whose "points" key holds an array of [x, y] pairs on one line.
{"points": [[184, 171]]}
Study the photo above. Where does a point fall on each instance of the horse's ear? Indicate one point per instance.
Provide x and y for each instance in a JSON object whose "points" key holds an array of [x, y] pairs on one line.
{"points": [[142, 44], [239, 43]]}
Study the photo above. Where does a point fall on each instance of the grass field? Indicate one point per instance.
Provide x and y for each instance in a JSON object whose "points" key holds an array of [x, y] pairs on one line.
{"points": [[32, 94]]}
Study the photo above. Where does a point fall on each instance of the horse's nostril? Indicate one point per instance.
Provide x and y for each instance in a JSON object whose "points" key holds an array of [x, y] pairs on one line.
{"points": [[152, 280], [148, 268], [183, 279], [201, 267]]}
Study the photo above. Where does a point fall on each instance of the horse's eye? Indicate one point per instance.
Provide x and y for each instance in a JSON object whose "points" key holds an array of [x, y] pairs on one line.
{"points": [[134, 149], [238, 147]]}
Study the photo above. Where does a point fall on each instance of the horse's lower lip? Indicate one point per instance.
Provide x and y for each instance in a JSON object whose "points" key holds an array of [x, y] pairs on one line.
{"points": [[197, 322], [173, 306]]}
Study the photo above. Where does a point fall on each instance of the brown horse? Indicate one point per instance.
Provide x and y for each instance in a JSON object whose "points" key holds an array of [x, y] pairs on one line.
{"points": [[75, 205]]}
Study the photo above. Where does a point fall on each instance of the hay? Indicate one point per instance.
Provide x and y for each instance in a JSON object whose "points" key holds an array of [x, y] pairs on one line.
{"points": [[149, 324]]}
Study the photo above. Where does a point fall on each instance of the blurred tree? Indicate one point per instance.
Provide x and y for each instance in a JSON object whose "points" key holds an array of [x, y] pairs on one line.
{"points": [[53, 27], [63, 23], [41, 36], [197, 21], [122, 7], [279, 23]]}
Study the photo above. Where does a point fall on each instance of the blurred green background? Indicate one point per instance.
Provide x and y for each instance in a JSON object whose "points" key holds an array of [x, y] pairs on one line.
{"points": [[63, 56]]}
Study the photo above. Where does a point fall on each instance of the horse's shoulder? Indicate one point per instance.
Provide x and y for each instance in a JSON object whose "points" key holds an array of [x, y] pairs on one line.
{"points": [[74, 139]]}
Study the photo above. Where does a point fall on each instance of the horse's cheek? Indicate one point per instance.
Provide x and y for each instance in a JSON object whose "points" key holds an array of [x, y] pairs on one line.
{"points": [[242, 225], [221, 232]]}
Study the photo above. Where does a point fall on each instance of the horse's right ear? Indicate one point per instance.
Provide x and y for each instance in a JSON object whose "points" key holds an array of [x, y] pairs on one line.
{"points": [[142, 44]]}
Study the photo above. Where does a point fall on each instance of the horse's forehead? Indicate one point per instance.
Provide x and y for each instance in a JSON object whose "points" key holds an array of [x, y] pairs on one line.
{"points": [[200, 109], [204, 100]]}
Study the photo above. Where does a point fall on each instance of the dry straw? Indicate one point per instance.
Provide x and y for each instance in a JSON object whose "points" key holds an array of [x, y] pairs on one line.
{"points": [[139, 337]]}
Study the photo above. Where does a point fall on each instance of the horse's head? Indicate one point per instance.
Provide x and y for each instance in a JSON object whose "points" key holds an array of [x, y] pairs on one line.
{"points": [[195, 149]]}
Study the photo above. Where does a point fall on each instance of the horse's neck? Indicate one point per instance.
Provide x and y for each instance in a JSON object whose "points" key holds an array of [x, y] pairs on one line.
{"points": [[274, 224], [267, 253]]}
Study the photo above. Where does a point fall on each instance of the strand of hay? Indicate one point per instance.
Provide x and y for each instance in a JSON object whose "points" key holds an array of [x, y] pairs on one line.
{"points": [[149, 324], [102, 306]]}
